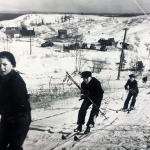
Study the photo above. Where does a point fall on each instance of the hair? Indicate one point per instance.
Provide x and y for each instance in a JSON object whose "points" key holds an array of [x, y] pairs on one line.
{"points": [[9, 56], [86, 74]]}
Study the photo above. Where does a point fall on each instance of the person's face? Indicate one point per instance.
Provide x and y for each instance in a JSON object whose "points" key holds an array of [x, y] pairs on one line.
{"points": [[5, 66], [87, 80], [132, 79]]}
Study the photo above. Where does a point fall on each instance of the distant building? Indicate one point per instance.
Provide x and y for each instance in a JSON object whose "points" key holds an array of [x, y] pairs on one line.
{"points": [[62, 33], [13, 31], [125, 45], [25, 32], [107, 42]]}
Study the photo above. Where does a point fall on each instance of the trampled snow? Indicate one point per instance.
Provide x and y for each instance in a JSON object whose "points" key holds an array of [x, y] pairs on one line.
{"points": [[42, 67]]}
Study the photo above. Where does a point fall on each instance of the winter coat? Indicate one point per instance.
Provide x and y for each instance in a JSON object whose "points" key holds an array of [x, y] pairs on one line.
{"points": [[93, 90], [13, 95], [132, 86]]}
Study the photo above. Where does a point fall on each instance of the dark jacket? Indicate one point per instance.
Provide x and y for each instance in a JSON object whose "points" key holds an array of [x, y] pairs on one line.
{"points": [[13, 95], [132, 86], [93, 90]]}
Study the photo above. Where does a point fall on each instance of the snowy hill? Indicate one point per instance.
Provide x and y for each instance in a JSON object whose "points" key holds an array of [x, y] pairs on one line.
{"points": [[45, 70], [92, 28]]}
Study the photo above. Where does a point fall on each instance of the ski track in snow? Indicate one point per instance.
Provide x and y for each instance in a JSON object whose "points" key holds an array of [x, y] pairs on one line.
{"points": [[48, 66], [121, 130]]}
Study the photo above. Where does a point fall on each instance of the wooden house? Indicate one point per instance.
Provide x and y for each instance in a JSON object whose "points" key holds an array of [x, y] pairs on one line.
{"points": [[25, 32], [62, 33], [13, 31]]}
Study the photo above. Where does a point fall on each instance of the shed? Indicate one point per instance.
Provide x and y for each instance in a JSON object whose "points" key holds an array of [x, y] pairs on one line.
{"points": [[62, 33]]}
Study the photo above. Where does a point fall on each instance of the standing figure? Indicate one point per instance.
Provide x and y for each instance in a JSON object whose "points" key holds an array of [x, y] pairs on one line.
{"points": [[92, 93], [132, 87], [15, 108]]}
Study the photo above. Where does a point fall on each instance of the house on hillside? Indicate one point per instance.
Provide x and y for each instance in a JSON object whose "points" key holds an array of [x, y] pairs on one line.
{"points": [[62, 33], [98, 66], [107, 42], [126, 46], [13, 31], [25, 32]]}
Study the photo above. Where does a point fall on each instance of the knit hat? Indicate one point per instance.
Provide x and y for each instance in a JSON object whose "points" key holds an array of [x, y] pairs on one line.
{"points": [[86, 74], [132, 76]]}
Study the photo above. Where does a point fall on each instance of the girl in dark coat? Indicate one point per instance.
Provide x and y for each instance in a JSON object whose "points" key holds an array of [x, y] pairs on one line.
{"points": [[15, 109]]}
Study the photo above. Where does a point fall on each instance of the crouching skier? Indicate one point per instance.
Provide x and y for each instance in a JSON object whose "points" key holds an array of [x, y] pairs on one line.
{"points": [[92, 94], [15, 108], [132, 87]]}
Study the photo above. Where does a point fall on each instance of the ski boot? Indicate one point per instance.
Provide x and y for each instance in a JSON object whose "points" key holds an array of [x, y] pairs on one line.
{"points": [[78, 129], [124, 109], [132, 108], [88, 128]]}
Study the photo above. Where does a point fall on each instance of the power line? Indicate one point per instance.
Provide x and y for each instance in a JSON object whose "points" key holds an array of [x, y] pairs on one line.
{"points": [[139, 6]]}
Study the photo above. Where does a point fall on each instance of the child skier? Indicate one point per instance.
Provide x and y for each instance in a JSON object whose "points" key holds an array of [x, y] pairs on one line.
{"points": [[92, 93], [132, 87]]}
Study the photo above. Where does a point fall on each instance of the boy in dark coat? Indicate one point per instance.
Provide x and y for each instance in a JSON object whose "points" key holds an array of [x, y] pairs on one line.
{"points": [[132, 86], [15, 109], [91, 88]]}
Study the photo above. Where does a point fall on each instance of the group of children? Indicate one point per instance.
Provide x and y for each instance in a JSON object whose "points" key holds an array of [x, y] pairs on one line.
{"points": [[92, 91]]}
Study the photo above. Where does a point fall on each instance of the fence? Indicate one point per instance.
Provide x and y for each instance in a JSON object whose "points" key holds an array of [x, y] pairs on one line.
{"points": [[55, 89]]}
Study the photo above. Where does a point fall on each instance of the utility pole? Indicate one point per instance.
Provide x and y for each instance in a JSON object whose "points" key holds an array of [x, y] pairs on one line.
{"points": [[76, 54], [7, 41], [30, 43], [81, 38], [122, 55]]}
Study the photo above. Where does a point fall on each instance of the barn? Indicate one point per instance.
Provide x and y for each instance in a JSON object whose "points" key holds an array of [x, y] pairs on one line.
{"points": [[13, 31], [62, 33]]}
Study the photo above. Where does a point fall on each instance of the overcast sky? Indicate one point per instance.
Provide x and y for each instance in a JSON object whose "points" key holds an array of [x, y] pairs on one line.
{"points": [[85, 6]]}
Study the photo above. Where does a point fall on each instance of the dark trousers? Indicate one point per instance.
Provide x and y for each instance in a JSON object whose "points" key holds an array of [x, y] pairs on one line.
{"points": [[83, 110], [126, 103], [13, 131]]}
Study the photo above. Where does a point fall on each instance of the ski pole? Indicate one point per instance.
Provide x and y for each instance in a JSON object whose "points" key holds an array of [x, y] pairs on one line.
{"points": [[71, 78]]}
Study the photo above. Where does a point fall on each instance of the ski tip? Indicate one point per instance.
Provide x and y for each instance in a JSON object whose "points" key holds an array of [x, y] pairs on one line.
{"points": [[50, 131], [63, 137], [76, 138], [106, 118]]}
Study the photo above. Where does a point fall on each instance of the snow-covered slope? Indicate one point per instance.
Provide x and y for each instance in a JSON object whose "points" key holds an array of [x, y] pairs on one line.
{"points": [[92, 28], [47, 66]]}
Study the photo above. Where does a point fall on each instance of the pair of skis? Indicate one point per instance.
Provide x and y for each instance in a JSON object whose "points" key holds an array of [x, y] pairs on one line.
{"points": [[73, 138], [81, 135], [76, 135], [117, 110]]}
